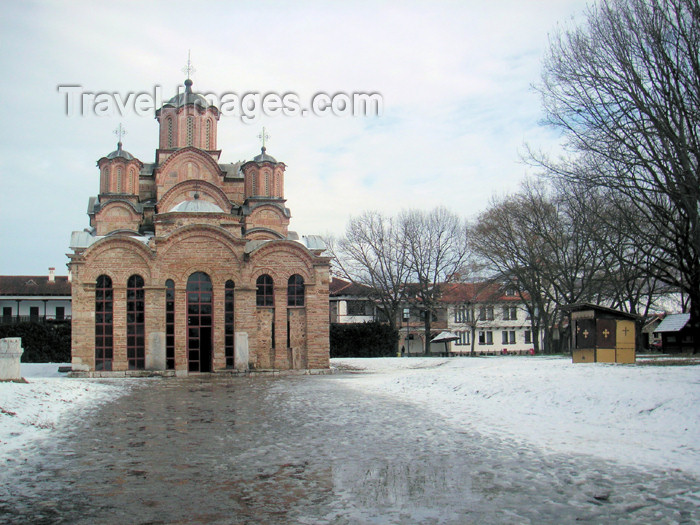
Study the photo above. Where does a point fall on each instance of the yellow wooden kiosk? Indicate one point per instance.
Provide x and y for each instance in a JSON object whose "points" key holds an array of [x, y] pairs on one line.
{"points": [[602, 335]]}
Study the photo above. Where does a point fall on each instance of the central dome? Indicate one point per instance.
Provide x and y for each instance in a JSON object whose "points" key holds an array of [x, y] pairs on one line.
{"points": [[196, 206], [188, 97]]}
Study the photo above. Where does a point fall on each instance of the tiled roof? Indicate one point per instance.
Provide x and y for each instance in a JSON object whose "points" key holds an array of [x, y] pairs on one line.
{"points": [[33, 285], [477, 292], [342, 287]]}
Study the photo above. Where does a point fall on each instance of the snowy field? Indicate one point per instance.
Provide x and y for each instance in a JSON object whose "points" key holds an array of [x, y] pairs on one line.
{"points": [[646, 416]]}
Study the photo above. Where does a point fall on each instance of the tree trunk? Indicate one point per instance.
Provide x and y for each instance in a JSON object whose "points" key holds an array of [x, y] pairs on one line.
{"points": [[427, 332]]}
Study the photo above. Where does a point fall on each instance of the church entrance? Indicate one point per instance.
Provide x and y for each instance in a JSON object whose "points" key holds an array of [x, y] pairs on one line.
{"points": [[199, 323]]}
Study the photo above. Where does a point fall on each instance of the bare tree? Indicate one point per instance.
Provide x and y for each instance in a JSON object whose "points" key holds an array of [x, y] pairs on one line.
{"points": [[625, 91], [374, 253], [437, 251], [546, 245]]}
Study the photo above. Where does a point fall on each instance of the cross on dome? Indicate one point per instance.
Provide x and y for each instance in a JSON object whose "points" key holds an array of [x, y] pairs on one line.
{"points": [[264, 136], [120, 132], [188, 69]]}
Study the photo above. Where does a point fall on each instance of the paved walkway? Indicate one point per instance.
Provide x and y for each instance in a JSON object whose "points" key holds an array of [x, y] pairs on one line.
{"points": [[308, 450]]}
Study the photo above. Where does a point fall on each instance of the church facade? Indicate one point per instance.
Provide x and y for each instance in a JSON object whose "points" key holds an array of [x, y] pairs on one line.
{"points": [[188, 264]]}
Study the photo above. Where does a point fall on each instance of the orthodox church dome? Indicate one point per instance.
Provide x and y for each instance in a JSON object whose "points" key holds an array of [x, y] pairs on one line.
{"points": [[196, 206], [188, 97], [119, 152], [264, 157]]}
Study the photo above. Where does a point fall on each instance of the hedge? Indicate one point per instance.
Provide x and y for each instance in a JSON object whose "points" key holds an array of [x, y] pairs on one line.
{"points": [[363, 340], [42, 343]]}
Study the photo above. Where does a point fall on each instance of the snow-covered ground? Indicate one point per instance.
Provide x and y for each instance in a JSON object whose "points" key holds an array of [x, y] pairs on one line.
{"points": [[646, 416], [637, 415], [31, 411]]}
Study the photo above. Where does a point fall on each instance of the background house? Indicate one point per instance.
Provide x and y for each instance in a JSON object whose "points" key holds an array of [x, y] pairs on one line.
{"points": [[676, 334], [35, 297]]}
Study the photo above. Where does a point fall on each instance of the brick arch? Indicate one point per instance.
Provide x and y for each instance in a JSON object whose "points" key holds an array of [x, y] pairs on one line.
{"points": [[180, 159], [117, 270], [176, 194], [204, 230], [303, 266], [263, 234]]}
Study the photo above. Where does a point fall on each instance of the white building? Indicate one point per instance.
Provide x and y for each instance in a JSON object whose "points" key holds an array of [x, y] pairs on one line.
{"points": [[35, 297]]}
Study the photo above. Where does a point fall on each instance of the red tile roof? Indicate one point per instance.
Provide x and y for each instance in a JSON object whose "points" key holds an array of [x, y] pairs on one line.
{"points": [[33, 285]]}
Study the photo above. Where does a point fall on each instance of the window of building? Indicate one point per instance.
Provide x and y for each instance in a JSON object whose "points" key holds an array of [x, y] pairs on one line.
{"points": [[359, 308], [433, 316], [135, 325], [510, 313], [34, 313], [170, 133], [463, 339], [485, 337], [207, 137], [229, 324], [511, 291], [7, 313], [264, 293], [104, 347], [462, 314], [200, 299], [486, 313], [295, 291], [528, 337], [190, 131], [119, 180], [60, 313], [170, 324], [508, 337]]}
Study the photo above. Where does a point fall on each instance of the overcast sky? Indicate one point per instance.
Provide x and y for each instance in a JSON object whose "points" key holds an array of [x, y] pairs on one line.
{"points": [[454, 77]]}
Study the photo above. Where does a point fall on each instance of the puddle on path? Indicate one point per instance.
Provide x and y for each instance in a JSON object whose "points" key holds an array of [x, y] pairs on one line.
{"points": [[309, 450]]}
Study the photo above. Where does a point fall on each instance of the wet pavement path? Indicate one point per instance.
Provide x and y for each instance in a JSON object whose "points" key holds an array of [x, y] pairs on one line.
{"points": [[309, 450]]}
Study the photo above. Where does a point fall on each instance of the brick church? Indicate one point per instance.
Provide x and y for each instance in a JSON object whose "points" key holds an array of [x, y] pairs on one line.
{"points": [[188, 264]]}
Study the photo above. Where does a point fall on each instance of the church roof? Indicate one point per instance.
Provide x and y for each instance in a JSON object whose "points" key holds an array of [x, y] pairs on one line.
{"points": [[196, 206], [119, 152], [264, 157], [188, 97]]}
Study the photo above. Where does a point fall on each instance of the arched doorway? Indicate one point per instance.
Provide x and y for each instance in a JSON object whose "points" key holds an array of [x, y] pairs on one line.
{"points": [[199, 323]]}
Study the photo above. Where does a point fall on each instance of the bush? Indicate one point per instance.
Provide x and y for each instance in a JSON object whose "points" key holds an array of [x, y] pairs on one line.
{"points": [[363, 340], [42, 343]]}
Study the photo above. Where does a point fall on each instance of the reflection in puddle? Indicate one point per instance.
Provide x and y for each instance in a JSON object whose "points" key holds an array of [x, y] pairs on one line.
{"points": [[308, 450]]}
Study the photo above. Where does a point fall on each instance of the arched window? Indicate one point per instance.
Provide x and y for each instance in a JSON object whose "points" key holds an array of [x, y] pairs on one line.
{"points": [[267, 184], [135, 326], [190, 131], [119, 180], [199, 322], [104, 346], [295, 291], [229, 324], [170, 324], [170, 133], [208, 135], [105, 180], [254, 183], [264, 295]]}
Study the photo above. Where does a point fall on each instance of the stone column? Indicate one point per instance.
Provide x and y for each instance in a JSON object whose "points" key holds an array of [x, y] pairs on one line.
{"points": [[155, 327], [282, 357], [10, 354]]}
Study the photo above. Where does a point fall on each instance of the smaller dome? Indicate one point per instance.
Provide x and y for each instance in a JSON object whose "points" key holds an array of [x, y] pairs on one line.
{"points": [[196, 206], [264, 157], [119, 152]]}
